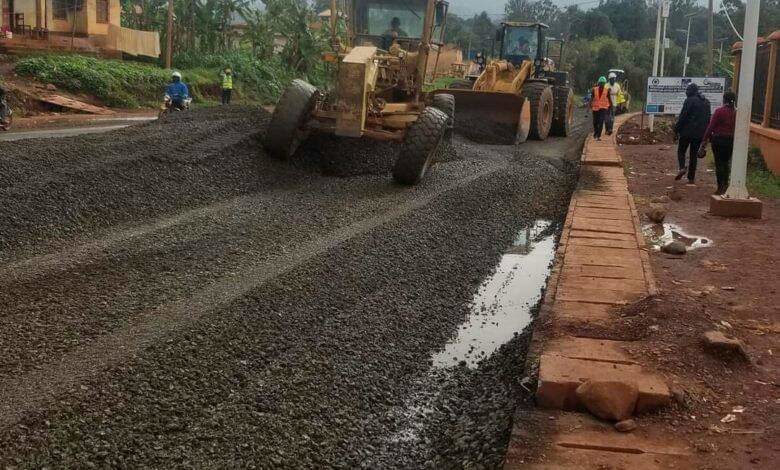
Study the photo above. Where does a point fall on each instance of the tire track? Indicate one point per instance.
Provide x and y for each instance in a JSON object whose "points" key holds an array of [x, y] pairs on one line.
{"points": [[32, 390]]}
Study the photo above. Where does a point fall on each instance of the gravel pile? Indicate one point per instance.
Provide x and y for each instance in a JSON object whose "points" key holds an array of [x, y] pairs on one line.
{"points": [[327, 364]]}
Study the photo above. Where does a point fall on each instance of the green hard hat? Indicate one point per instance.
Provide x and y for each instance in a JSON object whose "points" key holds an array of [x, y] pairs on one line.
{"points": [[602, 79]]}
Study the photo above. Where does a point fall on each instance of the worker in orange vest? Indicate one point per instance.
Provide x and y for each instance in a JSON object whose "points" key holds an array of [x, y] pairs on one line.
{"points": [[600, 104]]}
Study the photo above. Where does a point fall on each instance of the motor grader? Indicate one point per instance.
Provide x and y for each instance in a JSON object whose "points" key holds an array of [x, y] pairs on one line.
{"points": [[378, 90], [520, 94]]}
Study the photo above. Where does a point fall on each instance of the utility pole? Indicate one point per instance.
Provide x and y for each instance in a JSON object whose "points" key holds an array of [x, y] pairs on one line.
{"points": [[169, 47], [665, 19], [656, 53], [710, 38], [687, 41], [747, 71]]}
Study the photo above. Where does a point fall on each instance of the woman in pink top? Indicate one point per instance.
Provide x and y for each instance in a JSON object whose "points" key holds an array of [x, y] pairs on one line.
{"points": [[720, 132]]}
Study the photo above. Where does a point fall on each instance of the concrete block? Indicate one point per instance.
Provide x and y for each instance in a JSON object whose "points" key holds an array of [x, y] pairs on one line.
{"points": [[750, 208], [560, 376]]}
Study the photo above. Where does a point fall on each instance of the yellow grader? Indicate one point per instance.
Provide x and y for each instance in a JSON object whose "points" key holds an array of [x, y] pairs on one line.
{"points": [[520, 94], [378, 89]]}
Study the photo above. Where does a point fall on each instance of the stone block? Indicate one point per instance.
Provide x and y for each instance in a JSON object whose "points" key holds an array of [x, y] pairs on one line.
{"points": [[750, 208]]}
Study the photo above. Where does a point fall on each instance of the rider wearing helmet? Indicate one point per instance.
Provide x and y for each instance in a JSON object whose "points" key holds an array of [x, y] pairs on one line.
{"points": [[177, 91]]}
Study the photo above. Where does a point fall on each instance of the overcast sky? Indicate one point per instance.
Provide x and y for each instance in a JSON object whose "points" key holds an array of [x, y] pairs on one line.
{"points": [[472, 7]]}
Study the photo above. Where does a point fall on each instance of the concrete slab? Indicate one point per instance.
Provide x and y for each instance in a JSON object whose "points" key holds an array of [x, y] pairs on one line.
{"points": [[598, 296], [602, 235], [603, 242], [588, 349], [584, 311], [607, 272], [560, 376], [601, 225]]}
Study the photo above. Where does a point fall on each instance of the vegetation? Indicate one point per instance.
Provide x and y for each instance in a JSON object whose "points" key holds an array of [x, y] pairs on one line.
{"points": [[760, 181], [620, 33]]}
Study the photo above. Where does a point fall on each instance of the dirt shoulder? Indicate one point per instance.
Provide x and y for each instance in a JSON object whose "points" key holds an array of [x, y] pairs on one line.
{"points": [[726, 407]]}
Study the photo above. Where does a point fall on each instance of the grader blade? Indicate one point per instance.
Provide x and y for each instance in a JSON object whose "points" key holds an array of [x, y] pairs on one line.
{"points": [[491, 117]]}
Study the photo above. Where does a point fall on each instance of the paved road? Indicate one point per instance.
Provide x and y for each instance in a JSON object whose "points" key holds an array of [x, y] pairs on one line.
{"points": [[175, 298]]}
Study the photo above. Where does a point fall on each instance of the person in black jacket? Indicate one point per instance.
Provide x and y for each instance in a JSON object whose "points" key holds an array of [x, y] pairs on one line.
{"points": [[690, 128]]}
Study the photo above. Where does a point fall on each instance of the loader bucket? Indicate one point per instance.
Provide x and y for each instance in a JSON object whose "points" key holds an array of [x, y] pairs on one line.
{"points": [[491, 117]]}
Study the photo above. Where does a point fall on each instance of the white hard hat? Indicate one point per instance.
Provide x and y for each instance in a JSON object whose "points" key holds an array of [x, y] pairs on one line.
{"points": [[612, 75], [177, 75]]}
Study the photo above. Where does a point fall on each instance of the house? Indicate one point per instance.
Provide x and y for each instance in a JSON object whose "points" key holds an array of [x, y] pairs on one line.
{"points": [[91, 17], [86, 26]]}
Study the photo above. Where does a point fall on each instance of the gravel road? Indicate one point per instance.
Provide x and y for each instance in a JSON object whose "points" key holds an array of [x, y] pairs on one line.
{"points": [[172, 297]]}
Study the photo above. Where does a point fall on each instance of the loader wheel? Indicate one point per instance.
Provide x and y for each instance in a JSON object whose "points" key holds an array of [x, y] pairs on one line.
{"points": [[541, 97], [563, 114], [446, 104], [284, 133], [461, 85], [420, 143]]}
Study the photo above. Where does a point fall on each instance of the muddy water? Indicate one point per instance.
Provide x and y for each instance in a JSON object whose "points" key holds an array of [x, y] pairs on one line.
{"points": [[502, 306], [661, 234]]}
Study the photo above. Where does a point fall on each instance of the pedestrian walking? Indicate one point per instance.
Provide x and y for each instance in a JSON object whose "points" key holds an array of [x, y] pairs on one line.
{"points": [[689, 130], [227, 85], [599, 106], [720, 132], [614, 95]]}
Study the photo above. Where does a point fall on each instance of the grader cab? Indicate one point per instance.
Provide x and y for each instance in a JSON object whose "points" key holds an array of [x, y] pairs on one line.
{"points": [[377, 92], [520, 94]]}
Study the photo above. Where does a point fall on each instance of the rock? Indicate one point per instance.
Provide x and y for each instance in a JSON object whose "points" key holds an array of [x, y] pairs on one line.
{"points": [[51, 87], [718, 342], [656, 214], [627, 425], [674, 248], [659, 199], [677, 393], [614, 401]]}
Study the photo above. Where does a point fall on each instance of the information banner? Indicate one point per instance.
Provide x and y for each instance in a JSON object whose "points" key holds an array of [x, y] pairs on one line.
{"points": [[665, 95]]}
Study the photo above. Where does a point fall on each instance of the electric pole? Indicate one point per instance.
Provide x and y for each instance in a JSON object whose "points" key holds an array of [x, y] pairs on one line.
{"points": [[169, 47], [656, 53], [710, 38], [747, 69]]}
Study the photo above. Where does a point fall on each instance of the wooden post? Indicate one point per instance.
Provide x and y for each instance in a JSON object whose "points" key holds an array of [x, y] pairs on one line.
{"points": [[169, 42], [773, 39]]}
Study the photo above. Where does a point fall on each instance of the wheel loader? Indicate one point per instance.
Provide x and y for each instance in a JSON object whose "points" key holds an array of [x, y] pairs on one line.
{"points": [[378, 90], [520, 94]]}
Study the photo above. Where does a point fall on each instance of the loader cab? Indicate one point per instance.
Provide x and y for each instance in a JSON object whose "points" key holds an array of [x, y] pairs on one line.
{"points": [[381, 22], [520, 42]]}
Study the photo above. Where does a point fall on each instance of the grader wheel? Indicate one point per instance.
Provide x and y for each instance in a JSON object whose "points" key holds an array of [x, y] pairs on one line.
{"points": [[420, 144], [563, 113], [540, 96], [446, 104], [284, 133]]}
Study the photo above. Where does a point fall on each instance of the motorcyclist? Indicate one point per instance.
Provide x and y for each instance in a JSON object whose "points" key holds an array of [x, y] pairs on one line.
{"points": [[177, 91]]}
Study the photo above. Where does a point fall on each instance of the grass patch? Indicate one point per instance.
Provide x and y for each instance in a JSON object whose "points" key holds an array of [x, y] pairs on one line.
{"points": [[441, 83], [128, 84], [763, 183]]}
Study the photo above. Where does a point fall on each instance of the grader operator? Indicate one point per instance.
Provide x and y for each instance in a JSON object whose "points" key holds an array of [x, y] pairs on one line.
{"points": [[377, 92]]}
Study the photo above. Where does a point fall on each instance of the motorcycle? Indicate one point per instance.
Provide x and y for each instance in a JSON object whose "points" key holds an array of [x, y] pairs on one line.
{"points": [[6, 116], [168, 106]]}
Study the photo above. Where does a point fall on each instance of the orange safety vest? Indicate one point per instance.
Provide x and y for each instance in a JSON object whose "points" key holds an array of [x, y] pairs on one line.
{"points": [[600, 101]]}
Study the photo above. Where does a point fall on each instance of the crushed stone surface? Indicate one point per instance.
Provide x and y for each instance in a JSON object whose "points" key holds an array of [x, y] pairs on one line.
{"points": [[311, 296]]}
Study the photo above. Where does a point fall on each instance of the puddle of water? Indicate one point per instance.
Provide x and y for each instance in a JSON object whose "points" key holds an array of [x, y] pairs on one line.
{"points": [[502, 306], [661, 234]]}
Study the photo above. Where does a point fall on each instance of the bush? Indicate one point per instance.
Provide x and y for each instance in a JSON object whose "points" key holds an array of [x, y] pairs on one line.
{"points": [[116, 83]]}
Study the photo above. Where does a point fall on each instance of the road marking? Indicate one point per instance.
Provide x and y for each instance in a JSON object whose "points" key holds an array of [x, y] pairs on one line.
{"points": [[32, 390]]}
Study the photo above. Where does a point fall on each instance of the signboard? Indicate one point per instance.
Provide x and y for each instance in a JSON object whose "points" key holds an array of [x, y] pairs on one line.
{"points": [[665, 9], [665, 95]]}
